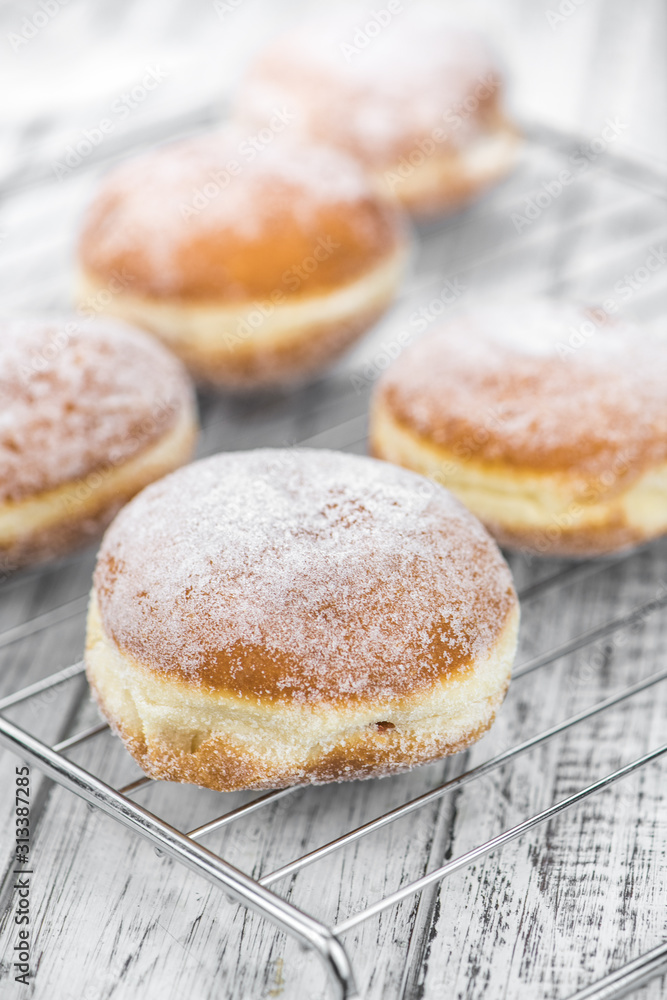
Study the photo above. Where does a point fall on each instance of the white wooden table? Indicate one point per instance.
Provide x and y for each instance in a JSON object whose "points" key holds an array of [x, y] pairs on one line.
{"points": [[547, 914]]}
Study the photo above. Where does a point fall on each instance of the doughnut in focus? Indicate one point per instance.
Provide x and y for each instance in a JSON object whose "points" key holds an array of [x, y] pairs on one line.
{"points": [[90, 412], [417, 99], [258, 268], [277, 617], [548, 421]]}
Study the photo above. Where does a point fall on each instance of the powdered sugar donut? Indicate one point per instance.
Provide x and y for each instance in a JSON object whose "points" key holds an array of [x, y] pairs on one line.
{"points": [[280, 617], [90, 412], [416, 98], [548, 420], [258, 268]]}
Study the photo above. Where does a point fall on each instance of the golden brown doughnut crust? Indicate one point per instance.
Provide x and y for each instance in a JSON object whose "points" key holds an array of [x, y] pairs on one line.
{"points": [[224, 764], [502, 384], [198, 222], [577, 543], [259, 619], [384, 620], [90, 411], [76, 395], [285, 363], [303, 350], [93, 501]]}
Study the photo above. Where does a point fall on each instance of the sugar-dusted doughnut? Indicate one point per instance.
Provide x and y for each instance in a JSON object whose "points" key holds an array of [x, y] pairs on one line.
{"points": [[415, 97], [276, 617], [90, 412], [547, 419], [257, 270]]}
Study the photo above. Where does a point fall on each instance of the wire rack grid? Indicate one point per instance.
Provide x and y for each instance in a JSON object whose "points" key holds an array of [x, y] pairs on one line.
{"points": [[484, 251]]}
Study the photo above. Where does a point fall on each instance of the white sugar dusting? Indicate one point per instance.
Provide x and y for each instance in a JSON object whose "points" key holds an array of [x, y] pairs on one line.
{"points": [[160, 203], [76, 396], [309, 575], [538, 382], [379, 92]]}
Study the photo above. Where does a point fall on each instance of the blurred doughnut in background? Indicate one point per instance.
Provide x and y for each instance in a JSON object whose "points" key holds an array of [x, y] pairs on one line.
{"points": [[412, 94], [256, 269]]}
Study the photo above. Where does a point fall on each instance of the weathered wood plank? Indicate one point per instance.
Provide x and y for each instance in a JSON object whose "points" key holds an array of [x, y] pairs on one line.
{"points": [[545, 915]]}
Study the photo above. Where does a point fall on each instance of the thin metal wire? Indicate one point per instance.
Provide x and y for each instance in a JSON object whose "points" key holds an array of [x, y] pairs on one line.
{"points": [[134, 785], [45, 620], [39, 687], [580, 571], [645, 967], [626, 979], [86, 734], [636, 615], [499, 841], [462, 779], [585, 638], [648, 178], [250, 807]]}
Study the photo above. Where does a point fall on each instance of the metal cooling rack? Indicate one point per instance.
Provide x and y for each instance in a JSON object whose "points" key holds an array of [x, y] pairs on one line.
{"points": [[498, 260]]}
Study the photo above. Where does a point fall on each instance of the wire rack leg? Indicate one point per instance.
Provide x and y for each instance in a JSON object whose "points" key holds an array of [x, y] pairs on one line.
{"points": [[236, 884], [628, 978]]}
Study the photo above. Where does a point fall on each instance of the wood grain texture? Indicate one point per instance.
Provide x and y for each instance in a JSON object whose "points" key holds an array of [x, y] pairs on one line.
{"points": [[545, 915]]}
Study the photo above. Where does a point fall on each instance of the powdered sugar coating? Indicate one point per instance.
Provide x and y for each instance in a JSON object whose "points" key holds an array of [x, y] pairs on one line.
{"points": [[376, 92], [76, 396], [222, 217], [301, 575], [540, 384]]}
